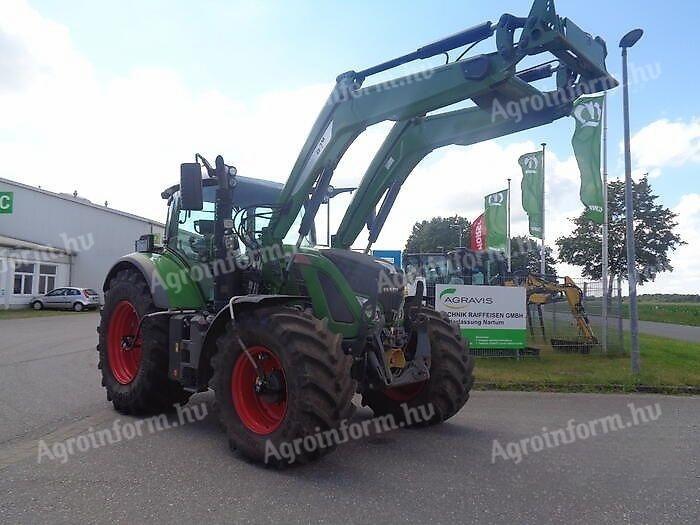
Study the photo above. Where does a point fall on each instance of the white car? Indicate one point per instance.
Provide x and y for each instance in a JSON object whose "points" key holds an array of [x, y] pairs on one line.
{"points": [[67, 298]]}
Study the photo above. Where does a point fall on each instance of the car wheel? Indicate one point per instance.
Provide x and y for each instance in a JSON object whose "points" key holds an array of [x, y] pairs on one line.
{"points": [[78, 307], [37, 305]]}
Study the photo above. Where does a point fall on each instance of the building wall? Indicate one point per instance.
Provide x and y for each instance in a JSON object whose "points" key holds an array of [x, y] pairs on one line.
{"points": [[11, 260], [96, 236]]}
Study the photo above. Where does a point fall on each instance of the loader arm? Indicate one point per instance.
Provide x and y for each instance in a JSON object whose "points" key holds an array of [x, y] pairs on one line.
{"points": [[411, 141], [351, 108]]}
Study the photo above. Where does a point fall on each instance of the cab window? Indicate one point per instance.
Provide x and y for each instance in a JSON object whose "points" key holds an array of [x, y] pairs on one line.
{"points": [[195, 234]]}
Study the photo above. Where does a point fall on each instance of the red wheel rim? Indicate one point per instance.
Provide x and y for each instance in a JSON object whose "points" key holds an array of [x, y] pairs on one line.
{"points": [[404, 393], [259, 414], [123, 363]]}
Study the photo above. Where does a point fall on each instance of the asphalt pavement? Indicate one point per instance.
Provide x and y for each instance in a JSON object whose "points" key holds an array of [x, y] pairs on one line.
{"points": [[681, 332], [641, 472]]}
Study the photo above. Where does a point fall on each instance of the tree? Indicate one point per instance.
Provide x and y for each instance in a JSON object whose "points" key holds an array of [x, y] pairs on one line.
{"points": [[525, 256], [438, 234], [653, 230]]}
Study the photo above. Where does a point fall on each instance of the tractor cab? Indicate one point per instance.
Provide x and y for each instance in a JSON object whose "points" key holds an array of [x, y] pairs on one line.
{"points": [[459, 266], [190, 231], [484, 267]]}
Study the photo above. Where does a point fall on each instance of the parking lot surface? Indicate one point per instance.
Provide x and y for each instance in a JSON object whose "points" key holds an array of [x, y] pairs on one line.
{"points": [[50, 392]]}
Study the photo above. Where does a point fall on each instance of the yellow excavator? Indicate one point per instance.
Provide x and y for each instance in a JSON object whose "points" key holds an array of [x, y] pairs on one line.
{"points": [[541, 291]]}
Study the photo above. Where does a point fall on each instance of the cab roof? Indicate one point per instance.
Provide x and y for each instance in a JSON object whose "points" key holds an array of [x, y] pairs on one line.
{"points": [[247, 191]]}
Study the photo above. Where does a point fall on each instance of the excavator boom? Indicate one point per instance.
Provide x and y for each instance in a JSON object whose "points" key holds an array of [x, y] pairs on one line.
{"points": [[541, 291]]}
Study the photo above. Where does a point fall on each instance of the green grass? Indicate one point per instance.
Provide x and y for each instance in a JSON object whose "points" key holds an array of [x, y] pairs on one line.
{"points": [[27, 313], [665, 362], [675, 313], [661, 312]]}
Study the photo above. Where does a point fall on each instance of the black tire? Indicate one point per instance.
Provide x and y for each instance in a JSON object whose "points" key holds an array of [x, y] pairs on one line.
{"points": [[317, 382], [447, 389], [150, 391], [37, 305], [78, 307]]}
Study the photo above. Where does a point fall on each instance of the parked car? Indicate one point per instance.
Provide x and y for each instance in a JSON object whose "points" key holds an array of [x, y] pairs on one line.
{"points": [[68, 298]]}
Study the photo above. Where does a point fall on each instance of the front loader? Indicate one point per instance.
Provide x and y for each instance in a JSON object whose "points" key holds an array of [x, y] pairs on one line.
{"points": [[237, 299]]}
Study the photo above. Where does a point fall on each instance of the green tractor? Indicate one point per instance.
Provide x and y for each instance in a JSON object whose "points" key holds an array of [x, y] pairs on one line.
{"points": [[238, 299]]}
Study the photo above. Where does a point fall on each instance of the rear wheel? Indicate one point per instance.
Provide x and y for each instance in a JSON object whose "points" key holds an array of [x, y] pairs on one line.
{"points": [[78, 307], [307, 388], [135, 373], [444, 393]]}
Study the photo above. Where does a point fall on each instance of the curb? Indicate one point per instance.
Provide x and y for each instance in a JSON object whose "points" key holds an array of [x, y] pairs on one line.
{"points": [[590, 388]]}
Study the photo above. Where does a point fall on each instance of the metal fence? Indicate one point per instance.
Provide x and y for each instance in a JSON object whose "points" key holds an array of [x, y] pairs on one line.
{"points": [[557, 331]]}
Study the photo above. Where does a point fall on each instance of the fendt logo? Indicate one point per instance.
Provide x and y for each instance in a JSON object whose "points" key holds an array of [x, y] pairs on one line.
{"points": [[450, 299], [6, 198], [589, 114], [496, 199], [531, 162]]}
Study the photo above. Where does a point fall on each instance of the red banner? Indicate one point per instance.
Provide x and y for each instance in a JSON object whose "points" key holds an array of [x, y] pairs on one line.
{"points": [[478, 234]]}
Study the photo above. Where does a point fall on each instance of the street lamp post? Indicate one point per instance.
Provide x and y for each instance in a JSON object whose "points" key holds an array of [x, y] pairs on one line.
{"points": [[543, 255], [629, 40]]}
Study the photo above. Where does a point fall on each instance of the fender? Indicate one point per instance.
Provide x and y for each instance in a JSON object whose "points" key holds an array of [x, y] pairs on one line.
{"points": [[167, 278], [218, 325]]}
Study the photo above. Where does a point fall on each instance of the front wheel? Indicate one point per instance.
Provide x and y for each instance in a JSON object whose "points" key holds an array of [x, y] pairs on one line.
{"points": [[37, 305], [133, 362], [282, 383], [444, 393]]}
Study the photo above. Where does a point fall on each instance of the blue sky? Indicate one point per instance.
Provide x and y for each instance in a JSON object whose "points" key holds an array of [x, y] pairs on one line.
{"points": [[137, 86]]}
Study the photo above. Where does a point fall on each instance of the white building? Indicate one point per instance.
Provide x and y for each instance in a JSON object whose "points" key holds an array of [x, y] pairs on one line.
{"points": [[48, 240]]}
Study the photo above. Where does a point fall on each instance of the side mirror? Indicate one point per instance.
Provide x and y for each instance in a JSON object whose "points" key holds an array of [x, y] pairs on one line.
{"points": [[191, 186]]}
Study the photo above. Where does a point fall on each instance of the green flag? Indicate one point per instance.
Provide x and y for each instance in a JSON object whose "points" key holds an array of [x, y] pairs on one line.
{"points": [[496, 217], [533, 190], [588, 112]]}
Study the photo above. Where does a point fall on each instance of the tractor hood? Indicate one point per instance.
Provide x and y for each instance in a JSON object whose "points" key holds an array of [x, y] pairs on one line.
{"points": [[370, 277]]}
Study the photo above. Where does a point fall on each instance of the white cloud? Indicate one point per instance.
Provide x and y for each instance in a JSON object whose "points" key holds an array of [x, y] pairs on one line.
{"points": [[122, 138], [685, 277], [665, 143]]}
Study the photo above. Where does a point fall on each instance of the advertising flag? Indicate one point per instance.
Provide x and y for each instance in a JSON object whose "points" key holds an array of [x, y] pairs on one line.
{"points": [[533, 190], [496, 219], [478, 234], [588, 112]]}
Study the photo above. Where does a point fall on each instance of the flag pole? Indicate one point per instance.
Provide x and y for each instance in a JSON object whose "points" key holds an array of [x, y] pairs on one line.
{"points": [[508, 248], [543, 266], [605, 262]]}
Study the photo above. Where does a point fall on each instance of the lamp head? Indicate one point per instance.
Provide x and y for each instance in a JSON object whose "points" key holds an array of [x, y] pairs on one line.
{"points": [[631, 38]]}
